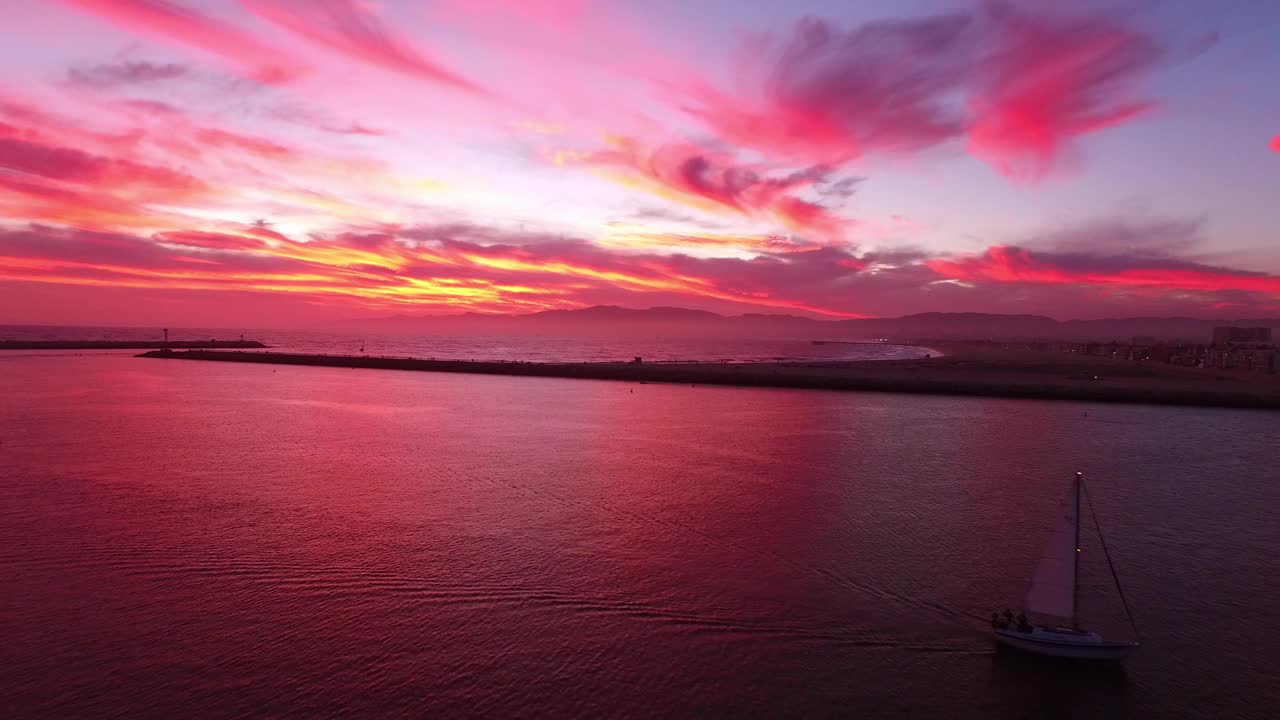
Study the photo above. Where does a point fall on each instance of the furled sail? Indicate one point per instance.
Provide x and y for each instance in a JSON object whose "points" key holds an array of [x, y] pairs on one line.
{"points": [[1053, 585]]}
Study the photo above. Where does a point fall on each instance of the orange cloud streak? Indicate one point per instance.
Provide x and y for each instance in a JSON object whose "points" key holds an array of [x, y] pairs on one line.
{"points": [[700, 179], [378, 269]]}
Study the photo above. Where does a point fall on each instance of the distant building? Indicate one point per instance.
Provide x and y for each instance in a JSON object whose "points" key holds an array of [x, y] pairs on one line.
{"points": [[1223, 336], [1143, 341]]}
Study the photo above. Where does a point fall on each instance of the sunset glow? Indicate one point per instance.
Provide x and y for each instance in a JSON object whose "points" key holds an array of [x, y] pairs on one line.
{"points": [[355, 159]]}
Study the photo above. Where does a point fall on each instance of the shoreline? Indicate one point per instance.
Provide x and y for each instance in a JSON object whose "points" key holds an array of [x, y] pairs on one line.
{"points": [[954, 374], [125, 344]]}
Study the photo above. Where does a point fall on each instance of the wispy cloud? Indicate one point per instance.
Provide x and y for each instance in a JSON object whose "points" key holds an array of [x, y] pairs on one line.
{"points": [[124, 177], [355, 30], [1001, 264], [174, 22], [109, 75], [825, 94]]}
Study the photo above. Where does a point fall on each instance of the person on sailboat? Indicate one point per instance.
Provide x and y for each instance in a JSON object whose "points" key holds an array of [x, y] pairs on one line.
{"points": [[1054, 592]]}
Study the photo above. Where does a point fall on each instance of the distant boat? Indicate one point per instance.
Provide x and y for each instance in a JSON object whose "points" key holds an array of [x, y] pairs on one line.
{"points": [[1055, 593]]}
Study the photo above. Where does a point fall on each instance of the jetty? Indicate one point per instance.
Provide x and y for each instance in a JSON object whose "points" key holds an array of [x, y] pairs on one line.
{"points": [[126, 344], [850, 342], [948, 375]]}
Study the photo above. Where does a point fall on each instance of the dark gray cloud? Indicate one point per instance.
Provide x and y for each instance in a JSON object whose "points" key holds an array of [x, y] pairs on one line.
{"points": [[112, 75]]}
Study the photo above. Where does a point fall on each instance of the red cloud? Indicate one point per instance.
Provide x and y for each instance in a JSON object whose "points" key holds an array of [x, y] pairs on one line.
{"points": [[1047, 81], [1017, 265], [171, 21], [1275, 143], [345, 26]]}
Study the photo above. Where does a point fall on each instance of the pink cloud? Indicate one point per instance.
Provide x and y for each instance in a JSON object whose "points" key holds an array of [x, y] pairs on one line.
{"points": [[210, 240], [76, 166], [824, 94], [1033, 84], [177, 23], [1046, 82], [349, 28], [262, 147]]}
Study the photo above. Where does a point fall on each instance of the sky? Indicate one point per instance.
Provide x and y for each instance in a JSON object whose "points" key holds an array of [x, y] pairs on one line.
{"points": [[287, 162]]}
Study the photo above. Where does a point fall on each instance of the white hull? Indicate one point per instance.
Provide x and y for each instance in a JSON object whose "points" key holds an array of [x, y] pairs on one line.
{"points": [[1080, 645]]}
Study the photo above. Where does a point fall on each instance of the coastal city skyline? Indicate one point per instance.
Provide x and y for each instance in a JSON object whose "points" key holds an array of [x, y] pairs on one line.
{"points": [[276, 163]]}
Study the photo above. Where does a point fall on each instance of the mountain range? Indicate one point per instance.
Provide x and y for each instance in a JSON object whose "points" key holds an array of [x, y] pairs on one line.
{"points": [[683, 322]]}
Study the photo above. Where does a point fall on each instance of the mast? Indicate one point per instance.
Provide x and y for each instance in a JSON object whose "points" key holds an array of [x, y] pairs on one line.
{"points": [[1075, 561], [1115, 576]]}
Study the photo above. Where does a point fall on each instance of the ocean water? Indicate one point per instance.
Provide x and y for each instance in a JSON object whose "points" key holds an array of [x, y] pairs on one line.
{"points": [[184, 539], [530, 348]]}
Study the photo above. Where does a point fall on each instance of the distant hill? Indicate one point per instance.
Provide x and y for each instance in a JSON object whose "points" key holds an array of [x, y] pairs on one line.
{"points": [[970, 326], [602, 320], [674, 321], [613, 313]]}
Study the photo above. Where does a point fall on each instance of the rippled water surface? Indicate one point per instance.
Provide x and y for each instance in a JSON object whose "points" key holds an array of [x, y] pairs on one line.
{"points": [[211, 540]]}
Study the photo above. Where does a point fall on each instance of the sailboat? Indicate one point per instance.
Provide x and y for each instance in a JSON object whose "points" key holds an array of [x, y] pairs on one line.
{"points": [[1055, 592]]}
